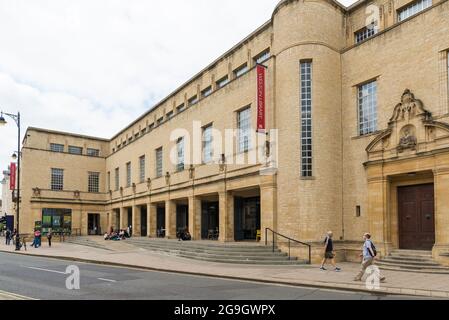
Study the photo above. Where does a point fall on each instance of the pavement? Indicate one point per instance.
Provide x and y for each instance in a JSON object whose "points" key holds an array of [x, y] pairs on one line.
{"points": [[125, 255]]}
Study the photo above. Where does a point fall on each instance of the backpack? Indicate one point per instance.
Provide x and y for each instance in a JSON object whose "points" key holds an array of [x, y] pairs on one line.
{"points": [[373, 247]]}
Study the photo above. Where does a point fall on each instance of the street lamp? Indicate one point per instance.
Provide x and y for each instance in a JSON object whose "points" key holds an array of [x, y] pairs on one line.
{"points": [[16, 118]]}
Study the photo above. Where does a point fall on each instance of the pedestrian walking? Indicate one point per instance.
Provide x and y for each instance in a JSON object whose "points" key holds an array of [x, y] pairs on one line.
{"points": [[49, 236], [329, 253], [8, 237], [368, 256]]}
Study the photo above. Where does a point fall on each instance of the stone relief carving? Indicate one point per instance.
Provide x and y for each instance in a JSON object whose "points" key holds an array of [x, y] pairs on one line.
{"points": [[409, 108], [411, 130], [408, 139]]}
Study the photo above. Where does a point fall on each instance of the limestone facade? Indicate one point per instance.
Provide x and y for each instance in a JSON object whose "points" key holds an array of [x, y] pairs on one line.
{"points": [[356, 177]]}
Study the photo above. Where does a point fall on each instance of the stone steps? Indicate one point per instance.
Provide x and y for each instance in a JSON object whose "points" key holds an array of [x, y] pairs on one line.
{"points": [[252, 254], [412, 261]]}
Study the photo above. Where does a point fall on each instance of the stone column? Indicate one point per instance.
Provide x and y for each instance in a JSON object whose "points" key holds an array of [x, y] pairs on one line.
{"points": [[84, 231], [441, 216], [123, 218], [268, 208], [136, 221], [170, 219], [195, 217], [226, 217], [378, 219], [152, 220]]}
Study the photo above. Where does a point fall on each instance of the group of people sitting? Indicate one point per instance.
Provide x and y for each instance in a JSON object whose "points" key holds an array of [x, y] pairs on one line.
{"points": [[184, 235], [118, 235]]}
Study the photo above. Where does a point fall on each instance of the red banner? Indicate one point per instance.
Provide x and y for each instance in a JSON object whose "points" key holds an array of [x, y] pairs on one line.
{"points": [[12, 176], [260, 98]]}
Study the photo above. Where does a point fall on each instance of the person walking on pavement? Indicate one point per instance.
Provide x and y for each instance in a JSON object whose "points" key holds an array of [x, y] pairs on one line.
{"points": [[49, 236], [368, 255], [329, 253], [8, 237]]}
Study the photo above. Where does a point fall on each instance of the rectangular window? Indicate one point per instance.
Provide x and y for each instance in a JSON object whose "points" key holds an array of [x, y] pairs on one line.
{"points": [[206, 92], [222, 82], [159, 166], [193, 100], [109, 180], [413, 8], [207, 144], [244, 129], [75, 150], [142, 169], [365, 33], [180, 108], [170, 115], [93, 152], [306, 119], [180, 152], [241, 71], [367, 101], [151, 127], [56, 147], [128, 174], [144, 130], [117, 179], [262, 57], [57, 179], [94, 182], [160, 120]]}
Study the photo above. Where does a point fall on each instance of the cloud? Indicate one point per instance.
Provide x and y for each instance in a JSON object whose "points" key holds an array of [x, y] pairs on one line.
{"points": [[93, 66]]}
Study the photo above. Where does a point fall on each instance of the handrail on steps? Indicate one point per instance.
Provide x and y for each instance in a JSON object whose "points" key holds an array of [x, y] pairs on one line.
{"points": [[290, 240]]}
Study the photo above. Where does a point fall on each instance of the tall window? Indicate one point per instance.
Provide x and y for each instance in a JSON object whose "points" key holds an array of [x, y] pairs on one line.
{"points": [[93, 152], [128, 174], [207, 144], [142, 169], [117, 179], [159, 167], [109, 180], [75, 150], [55, 147], [367, 108], [57, 179], [244, 129], [180, 152], [306, 119], [94, 182], [413, 9]]}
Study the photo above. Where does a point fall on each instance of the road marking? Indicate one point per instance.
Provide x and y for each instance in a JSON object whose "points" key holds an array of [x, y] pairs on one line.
{"points": [[107, 280], [12, 296], [46, 270]]}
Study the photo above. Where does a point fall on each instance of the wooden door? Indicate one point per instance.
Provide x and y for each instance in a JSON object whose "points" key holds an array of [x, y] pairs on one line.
{"points": [[416, 208]]}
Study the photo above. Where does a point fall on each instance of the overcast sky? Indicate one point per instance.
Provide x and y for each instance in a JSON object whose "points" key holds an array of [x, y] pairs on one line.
{"points": [[93, 66]]}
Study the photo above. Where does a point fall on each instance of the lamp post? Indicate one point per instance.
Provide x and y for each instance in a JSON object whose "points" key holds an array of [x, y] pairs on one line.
{"points": [[16, 118]]}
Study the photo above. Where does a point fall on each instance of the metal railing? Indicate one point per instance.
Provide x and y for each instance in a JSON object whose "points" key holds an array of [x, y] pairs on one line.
{"points": [[290, 240]]}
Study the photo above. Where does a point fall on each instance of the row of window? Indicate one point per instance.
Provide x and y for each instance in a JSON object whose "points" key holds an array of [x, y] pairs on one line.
{"points": [[240, 71], [55, 147], [402, 14], [243, 144], [57, 180]]}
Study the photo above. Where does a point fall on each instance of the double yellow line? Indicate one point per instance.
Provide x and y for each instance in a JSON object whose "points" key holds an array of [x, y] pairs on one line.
{"points": [[12, 296]]}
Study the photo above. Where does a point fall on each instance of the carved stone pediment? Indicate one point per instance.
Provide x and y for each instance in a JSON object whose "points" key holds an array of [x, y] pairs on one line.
{"points": [[411, 130]]}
